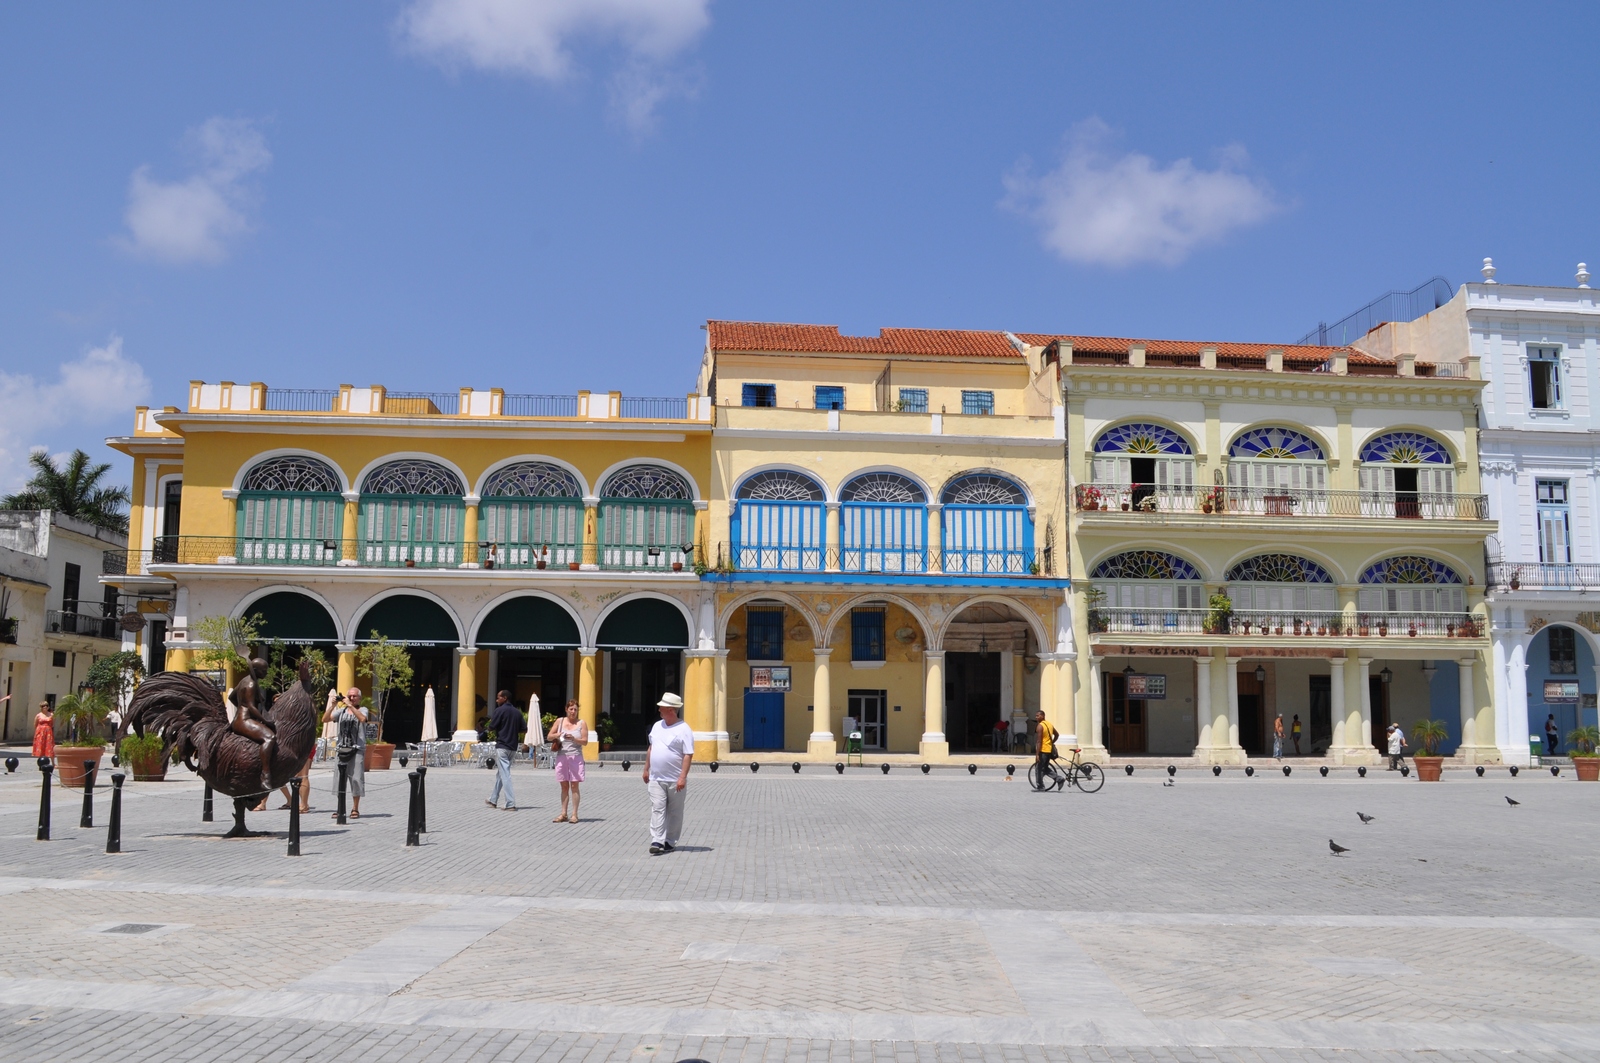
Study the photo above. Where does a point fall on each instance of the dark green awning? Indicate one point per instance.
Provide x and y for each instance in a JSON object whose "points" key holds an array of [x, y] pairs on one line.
{"points": [[409, 618], [528, 623], [646, 623], [293, 617]]}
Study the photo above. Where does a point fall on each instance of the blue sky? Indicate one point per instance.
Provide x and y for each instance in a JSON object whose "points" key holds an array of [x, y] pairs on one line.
{"points": [[554, 194]]}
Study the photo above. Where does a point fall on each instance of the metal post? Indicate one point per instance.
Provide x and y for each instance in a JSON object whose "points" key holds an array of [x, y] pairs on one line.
{"points": [[343, 775], [294, 816], [87, 819], [114, 835], [422, 799], [44, 800], [411, 812], [205, 806]]}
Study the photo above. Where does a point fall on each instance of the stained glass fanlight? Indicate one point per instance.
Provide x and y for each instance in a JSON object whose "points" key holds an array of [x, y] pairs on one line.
{"points": [[1405, 448], [412, 476], [1141, 438], [293, 473], [1278, 444], [646, 481], [1410, 568], [532, 479], [1278, 568], [1145, 564]]}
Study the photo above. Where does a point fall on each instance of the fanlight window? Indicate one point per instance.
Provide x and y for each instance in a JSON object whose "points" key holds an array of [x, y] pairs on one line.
{"points": [[1156, 462], [292, 473], [1410, 584], [883, 524], [1281, 583], [1149, 579], [646, 481], [1407, 474], [532, 479], [1277, 461], [412, 477], [1405, 448], [1141, 439], [983, 489], [781, 485], [883, 487], [985, 526], [1281, 444]]}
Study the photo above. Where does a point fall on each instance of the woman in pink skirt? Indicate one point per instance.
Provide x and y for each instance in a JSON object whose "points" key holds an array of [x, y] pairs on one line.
{"points": [[569, 735]]}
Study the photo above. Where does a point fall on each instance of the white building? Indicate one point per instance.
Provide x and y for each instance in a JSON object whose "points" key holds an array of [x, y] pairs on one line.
{"points": [[1539, 447], [55, 618]]}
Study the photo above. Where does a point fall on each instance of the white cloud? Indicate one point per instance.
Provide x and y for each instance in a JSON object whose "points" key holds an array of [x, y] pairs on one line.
{"points": [[1120, 210], [101, 388], [194, 220], [533, 38]]}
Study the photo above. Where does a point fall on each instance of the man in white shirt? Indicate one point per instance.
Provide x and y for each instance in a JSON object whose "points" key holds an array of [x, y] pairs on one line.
{"points": [[666, 773]]}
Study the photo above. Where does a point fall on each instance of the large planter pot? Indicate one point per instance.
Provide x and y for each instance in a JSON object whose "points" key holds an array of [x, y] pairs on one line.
{"points": [[379, 755], [69, 763], [153, 769], [1588, 768], [1428, 768]]}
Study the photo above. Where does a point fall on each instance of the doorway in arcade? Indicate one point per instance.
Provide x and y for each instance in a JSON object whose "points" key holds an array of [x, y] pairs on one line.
{"points": [[643, 641], [301, 624], [531, 639], [430, 638], [986, 678]]}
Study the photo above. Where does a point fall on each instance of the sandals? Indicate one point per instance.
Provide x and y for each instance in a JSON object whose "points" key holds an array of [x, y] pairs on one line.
{"points": [[560, 819]]}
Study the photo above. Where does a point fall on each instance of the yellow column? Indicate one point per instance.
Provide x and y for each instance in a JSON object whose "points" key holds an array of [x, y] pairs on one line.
{"points": [[352, 523], [699, 695], [469, 533], [720, 713], [588, 699], [830, 538], [589, 555], [936, 544], [933, 745], [230, 498], [347, 667], [178, 660], [821, 743], [466, 691]]}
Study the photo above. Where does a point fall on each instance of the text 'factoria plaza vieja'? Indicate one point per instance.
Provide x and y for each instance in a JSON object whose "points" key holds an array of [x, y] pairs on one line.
{"points": [[928, 536]]}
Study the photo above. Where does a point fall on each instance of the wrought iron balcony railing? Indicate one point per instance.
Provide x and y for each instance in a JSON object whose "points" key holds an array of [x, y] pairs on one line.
{"points": [[1144, 501], [1543, 575], [372, 553], [875, 560], [62, 622], [1290, 623]]}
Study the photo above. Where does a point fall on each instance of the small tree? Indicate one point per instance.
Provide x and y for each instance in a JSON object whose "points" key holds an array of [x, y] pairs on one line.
{"points": [[283, 670], [1429, 733], [221, 638], [116, 674], [388, 664], [83, 713], [1584, 740]]}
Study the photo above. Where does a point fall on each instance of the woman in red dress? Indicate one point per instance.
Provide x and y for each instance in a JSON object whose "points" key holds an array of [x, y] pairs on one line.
{"points": [[44, 731]]}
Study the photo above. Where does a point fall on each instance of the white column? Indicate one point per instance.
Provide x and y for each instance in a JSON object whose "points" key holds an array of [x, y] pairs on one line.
{"points": [[1096, 705], [494, 683], [1366, 702], [1202, 701], [933, 746], [1007, 683], [821, 742], [1336, 700], [1469, 703], [1233, 702]]}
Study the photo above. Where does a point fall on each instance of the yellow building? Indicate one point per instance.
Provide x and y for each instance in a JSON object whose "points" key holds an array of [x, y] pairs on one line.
{"points": [[888, 518], [1264, 530]]}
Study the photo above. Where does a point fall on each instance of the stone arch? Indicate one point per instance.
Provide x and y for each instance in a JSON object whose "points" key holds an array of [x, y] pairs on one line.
{"points": [[262, 593], [1041, 635], [585, 636], [1017, 481], [725, 617], [1184, 438], [584, 486], [828, 494], [352, 632], [929, 629], [289, 452], [695, 493], [613, 607], [1432, 435], [927, 493], [1310, 434], [360, 479]]}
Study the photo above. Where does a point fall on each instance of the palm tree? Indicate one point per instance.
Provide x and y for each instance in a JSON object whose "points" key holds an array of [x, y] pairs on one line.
{"points": [[74, 489]]}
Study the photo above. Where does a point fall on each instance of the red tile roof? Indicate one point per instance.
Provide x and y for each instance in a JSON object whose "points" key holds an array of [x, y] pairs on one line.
{"points": [[826, 339], [1292, 353]]}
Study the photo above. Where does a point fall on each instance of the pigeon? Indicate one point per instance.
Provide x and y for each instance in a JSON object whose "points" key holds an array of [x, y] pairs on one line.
{"points": [[1366, 818], [1336, 847], [1511, 802]]}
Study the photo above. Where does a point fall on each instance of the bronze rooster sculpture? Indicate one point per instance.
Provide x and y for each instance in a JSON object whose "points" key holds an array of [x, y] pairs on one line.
{"points": [[188, 713]]}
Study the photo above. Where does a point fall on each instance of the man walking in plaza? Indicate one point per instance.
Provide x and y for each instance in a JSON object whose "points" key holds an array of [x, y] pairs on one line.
{"points": [[1046, 744], [1397, 746], [666, 773], [506, 723]]}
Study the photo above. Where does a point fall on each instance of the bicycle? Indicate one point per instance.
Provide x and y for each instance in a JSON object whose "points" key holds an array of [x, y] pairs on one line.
{"points": [[1087, 777]]}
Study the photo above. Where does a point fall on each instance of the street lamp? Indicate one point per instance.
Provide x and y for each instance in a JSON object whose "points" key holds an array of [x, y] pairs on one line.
{"points": [[1261, 674], [1386, 675]]}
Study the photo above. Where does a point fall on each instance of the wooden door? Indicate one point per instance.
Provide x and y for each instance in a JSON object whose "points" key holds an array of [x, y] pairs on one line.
{"points": [[1379, 692], [1124, 726], [1252, 735]]}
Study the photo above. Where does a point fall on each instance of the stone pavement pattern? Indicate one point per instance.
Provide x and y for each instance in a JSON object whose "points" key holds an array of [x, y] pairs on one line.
{"points": [[866, 917]]}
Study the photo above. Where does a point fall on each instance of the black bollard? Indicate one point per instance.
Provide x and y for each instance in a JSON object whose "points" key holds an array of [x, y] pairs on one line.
{"points": [[1479, 770], [754, 768], [1362, 771], [925, 769], [89, 769], [714, 766], [796, 767], [972, 769], [1249, 772], [1287, 770], [1323, 771], [1172, 769], [885, 768], [1128, 768], [44, 801], [1011, 769], [205, 806], [11, 765], [626, 763], [839, 768], [422, 799], [411, 812], [344, 772], [114, 834], [1513, 771], [294, 816], [1216, 769], [1555, 769]]}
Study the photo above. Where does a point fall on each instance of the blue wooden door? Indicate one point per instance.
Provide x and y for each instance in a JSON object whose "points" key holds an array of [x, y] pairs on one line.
{"points": [[763, 719]]}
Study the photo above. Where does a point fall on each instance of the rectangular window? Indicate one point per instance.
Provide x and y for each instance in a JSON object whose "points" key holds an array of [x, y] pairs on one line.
{"points": [[866, 634], [766, 634], [58, 658], [1544, 378], [1563, 651], [830, 397], [914, 400], [1555, 545], [759, 395], [979, 402], [71, 584]]}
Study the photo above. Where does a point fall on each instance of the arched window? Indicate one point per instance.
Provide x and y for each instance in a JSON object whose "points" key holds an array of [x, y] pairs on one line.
{"points": [[1407, 474], [532, 512], [411, 514], [1278, 472], [985, 526], [1147, 590], [883, 524], [646, 518], [1409, 583], [778, 522], [1149, 466], [291, 512], [1273, 587]]}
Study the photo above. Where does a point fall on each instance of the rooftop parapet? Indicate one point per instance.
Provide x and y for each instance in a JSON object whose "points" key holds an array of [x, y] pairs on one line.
{"points": [[377, 400]]}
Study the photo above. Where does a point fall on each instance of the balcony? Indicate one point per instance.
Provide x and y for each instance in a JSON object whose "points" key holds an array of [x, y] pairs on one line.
{"points": [[1252, 623], [61, 622], [1543, 576], [874, 560], [1153, 502]]}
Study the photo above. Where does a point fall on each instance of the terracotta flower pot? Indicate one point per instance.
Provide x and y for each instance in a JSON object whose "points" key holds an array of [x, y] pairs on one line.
{"points": [[69, 764], [149, 769], [1588, 768], [572, 565], [1364, 631], [677, 566], [379, 755], [1428, 768], [540, 563]]}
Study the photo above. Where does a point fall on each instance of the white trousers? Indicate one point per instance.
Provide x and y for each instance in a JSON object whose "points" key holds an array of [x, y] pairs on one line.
{"points": [[666, 810]]}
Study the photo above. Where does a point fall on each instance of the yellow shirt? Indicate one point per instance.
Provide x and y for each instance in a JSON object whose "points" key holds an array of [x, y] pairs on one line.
{"points": [[1047, 738]]}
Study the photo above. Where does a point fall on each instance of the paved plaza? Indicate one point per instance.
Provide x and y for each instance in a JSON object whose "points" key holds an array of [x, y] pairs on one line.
{"points": [[815, 916]]}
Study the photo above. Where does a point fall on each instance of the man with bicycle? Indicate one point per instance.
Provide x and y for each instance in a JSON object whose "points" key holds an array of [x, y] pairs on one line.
{"points": [[1046, 747]]}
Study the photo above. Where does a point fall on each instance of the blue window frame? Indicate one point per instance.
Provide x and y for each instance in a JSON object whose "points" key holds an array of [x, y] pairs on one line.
{"points": [[914, 400], [830, 397], [866, 634], [766, 634], [759, 395], [979, 402]]}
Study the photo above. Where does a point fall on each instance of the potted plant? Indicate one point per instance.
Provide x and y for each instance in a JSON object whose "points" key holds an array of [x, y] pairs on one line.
{"points": [[145, 756], [1516, 579], [608, 731], [1147, 504], [1383, 628], [1094, 597], [388, 664], [1412, 630], [1429, 733], [1585, 761], [1362, 625], [572, 566], [1213, 501], [82, 713], [1219, 615], [542, 558], [1089, 497]]}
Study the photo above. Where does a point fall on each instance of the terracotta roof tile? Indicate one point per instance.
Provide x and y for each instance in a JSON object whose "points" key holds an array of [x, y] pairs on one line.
{"points": [[826, 339], [1120, 345]]}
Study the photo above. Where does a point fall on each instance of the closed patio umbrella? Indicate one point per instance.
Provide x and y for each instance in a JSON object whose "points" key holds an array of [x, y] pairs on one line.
{"points": [[430, 719]]}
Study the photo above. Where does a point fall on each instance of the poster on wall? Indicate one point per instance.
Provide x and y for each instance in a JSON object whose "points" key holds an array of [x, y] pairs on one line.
{"points": [[1560, 692], [769, 677], [1147, 687]]}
